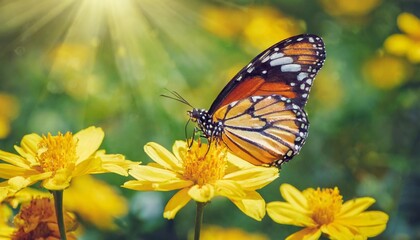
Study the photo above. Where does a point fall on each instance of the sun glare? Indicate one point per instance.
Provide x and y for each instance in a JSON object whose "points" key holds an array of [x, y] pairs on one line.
{"points": [[137, 30]]}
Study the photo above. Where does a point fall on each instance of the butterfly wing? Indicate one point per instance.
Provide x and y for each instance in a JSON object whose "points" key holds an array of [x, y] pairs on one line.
{"points": [[263, 129], [287, 68]]}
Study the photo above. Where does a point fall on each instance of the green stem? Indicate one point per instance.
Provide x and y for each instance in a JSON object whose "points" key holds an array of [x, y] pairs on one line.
{"points": [[58, 203], [199, 219]]}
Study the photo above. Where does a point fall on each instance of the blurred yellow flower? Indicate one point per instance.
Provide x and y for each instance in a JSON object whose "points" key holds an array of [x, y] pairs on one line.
{"points": [[386, 72], [328, 90], [353, 8], [223, 22], [5, 216], [201, 173], [260, 26], [323, 211], [267, 26], [55, 160], [71, 70], [408, 43], [37, 220], [101, 207], [9, 109], [219, 233]]}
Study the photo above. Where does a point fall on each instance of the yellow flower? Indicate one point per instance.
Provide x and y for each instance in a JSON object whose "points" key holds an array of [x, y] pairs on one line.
{"points": [[37, 220], [55, 160], [323, 211], [201, 174], [9, 109], [219, 233], [408, 43], [14, 197], [386, 72], [354, 8], [260, 26], [101, 207]]}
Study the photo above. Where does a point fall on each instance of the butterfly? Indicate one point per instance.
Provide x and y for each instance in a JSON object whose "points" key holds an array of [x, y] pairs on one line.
{"points": [[259, 115]]}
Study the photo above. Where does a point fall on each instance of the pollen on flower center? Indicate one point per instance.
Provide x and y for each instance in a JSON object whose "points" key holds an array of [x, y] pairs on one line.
{"points": [[203, 165], [57, 152], [325, 204]]}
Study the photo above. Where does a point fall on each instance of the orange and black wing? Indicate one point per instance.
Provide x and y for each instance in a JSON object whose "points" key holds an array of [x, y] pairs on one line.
{"points": [[264, 130], [287, 68]]}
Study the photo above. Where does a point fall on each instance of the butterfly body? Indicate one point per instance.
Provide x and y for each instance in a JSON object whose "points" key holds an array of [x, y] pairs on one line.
{"points": [[259, 114]]}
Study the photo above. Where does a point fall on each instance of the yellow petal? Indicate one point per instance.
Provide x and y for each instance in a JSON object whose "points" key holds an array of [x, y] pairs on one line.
{"points": [[179, 149], [229, 189], [115, 163], [162, 186], [162, 156], [8, 171], [88, 141], [252, 205], [238, 162], [59, 181], [30, 159], [337, 231], [152, 174], [20, 182], [398, 44], [29, 143], [14, 159], [89, 166], [285, 213], [178, 201], [370, 223], [414, 54], [114, 168], [3, 194], [409, 24], [172, 185], [306, 234], [294, 197], [355, 206], [202, 193], [254, 177]]}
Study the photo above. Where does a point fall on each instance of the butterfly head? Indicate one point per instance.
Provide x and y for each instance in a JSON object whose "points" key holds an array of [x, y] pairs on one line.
{"points": [[205, 122]]}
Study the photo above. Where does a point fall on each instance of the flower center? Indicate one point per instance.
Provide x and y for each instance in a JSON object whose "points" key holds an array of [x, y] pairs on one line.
{"points": [[57, 152], [205, 163], [33, 219], [325, 204]]}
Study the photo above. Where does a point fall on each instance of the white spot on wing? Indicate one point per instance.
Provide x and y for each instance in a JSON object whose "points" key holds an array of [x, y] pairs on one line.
{"points": [[281, 61], [301, 76], [291, 68], [265, 59], [276, 55], [256, 98]]}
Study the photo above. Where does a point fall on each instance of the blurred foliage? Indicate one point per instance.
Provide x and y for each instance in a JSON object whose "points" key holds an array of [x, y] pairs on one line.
{"points": [[68, 65]]}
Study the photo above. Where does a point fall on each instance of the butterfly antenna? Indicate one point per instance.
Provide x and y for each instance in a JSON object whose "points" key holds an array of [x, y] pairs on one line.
{"points": [[177, 97]]}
